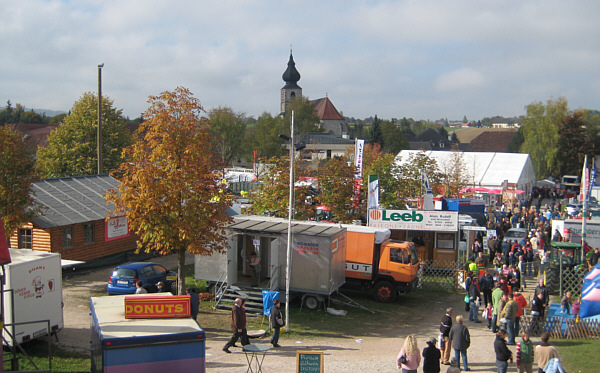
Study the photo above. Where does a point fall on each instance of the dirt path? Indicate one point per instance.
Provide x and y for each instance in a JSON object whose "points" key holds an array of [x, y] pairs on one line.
{"points": [[374, 352]]}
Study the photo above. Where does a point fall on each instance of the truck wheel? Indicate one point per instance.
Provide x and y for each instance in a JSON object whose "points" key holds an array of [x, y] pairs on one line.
{"points": [[311, 302], [385, 291]]}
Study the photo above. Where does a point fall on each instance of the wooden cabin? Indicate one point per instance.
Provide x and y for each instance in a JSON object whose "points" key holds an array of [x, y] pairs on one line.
{"points": [[72, 220]]}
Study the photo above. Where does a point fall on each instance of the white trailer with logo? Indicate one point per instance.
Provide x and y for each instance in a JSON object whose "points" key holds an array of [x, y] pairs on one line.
{"points": [[32, 295], [318, 257]]}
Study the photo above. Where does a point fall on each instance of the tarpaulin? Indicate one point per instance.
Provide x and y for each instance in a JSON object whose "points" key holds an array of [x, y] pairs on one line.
{"points": [[268, 298]]}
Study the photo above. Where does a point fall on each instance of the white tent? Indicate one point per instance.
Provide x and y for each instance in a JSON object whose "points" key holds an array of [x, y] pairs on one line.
{"points": [[486, 170]]}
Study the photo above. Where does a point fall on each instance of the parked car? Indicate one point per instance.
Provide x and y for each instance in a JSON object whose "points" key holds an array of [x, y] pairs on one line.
{"points": [[124, 277], [573, 209], [516, 234]]}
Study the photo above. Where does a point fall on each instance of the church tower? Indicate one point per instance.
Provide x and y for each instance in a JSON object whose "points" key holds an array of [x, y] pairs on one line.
{"points": [[291, 89]]}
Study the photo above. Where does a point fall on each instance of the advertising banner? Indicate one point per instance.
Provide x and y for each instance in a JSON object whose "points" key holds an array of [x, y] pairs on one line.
{"points": [[115, 228], [414, 220]]}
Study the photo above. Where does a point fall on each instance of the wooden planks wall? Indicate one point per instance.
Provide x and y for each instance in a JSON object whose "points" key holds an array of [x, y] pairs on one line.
{"points": [[51, 240]]}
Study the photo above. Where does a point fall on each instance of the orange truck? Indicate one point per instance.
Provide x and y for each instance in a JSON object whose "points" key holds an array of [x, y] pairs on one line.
{"points": [[377, 263]]}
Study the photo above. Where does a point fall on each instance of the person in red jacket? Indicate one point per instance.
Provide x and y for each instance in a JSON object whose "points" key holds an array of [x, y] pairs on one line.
{"points": [[522, 302]]}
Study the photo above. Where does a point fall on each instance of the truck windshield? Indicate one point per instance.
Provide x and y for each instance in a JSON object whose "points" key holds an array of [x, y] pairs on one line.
{"points": [[414, 254]]}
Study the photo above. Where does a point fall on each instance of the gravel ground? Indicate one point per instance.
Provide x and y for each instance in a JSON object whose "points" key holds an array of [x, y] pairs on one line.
{"points": [[349, 353]]}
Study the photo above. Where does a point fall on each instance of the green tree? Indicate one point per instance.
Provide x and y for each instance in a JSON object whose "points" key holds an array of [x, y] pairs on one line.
{"points": [[393, 138], [263, 137], [540, 135], [72, 147], [272, 197], [170, 189], [376, 133], [18, 174], [573, 144], [228, 130], [306, 119]]}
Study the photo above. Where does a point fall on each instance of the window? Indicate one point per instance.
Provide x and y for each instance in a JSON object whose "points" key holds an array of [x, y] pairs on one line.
{"points": [[88, 233], [25, 239], [67, 237]]}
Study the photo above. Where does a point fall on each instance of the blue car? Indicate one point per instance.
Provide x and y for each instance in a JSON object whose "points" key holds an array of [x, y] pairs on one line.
{"points": [[124, 277]]}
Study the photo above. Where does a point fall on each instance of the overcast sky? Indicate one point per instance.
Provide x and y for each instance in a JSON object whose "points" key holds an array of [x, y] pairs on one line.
{"points": [[421, 59]]}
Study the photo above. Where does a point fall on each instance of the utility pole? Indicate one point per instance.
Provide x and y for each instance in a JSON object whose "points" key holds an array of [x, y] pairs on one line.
{"points": [[99, 141]]}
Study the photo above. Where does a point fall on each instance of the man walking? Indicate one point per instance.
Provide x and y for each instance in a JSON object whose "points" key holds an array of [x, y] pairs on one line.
{"points": [[461, 341], [509, 313], [238, 325], [276, 321], [445, 326]]}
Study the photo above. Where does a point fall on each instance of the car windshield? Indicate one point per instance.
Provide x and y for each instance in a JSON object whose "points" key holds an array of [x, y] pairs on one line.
{"points": [[124, 273]]}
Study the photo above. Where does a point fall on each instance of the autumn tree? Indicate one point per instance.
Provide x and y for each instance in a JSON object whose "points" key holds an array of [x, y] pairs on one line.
{"points": [[18, 174], [272, 197], [72, 148], [228, 130], [336, 184], [410, 176], [453, 174], [540, 134], [171, 190]]}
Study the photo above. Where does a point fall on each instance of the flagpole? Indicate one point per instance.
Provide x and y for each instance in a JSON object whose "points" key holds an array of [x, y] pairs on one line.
{"points": [[584, 182]]}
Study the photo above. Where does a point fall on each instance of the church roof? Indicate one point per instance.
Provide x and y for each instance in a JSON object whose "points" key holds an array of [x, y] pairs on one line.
{"points": [[325, 109], [291, 75]]}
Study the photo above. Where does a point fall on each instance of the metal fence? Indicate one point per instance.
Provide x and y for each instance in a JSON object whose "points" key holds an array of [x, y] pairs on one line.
{"points": [[440, 275]]}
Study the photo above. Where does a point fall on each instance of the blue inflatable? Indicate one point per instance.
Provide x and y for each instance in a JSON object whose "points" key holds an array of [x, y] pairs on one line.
{"points": [[590, 294]]}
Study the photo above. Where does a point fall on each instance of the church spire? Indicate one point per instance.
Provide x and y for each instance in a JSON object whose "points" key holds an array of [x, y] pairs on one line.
{"points": [[291, 89], [291, 75]]}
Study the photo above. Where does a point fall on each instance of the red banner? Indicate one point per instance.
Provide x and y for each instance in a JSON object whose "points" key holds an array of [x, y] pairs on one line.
{"points": [[155, 307]]}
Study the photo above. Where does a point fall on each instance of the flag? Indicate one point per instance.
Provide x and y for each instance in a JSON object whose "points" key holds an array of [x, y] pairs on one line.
{"points": [[426, 184], [4, 253], [358, 161], [373, 198], [584, 181]]}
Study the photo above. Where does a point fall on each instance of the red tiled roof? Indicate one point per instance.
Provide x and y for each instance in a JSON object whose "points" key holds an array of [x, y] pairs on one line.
{"points": [[325, 109], [492, 141]]}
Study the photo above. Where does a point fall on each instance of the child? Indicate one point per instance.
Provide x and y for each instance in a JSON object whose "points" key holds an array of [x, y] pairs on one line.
{"points": [[525, 354], [487, 314], [576, 304], [565, 303]]}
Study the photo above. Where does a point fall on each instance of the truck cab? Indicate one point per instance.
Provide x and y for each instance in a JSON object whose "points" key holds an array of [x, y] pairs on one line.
{"points": [[397, 270]]}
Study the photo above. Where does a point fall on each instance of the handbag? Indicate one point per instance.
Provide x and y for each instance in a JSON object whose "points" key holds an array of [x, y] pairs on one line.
{"points": [[403, 359], [467, 298]]}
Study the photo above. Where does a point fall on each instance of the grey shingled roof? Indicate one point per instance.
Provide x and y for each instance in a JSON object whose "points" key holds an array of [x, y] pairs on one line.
{"points": [[72, 200]]}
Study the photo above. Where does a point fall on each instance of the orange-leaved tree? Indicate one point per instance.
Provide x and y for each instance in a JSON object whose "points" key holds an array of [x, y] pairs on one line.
{"points": [[171, 189]]}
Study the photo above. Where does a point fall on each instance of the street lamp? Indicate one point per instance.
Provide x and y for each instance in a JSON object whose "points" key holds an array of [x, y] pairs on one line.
{"points": [[99, 141]]}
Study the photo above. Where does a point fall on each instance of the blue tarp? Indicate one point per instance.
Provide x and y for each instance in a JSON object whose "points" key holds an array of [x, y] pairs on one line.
{"points": [[268, 297]]}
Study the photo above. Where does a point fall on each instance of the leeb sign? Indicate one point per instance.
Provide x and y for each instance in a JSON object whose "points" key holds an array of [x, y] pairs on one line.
{"points": [[414, 220]]}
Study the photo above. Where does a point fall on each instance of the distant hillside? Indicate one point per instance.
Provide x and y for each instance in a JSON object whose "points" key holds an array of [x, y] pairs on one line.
{"points": [[48, 113]]}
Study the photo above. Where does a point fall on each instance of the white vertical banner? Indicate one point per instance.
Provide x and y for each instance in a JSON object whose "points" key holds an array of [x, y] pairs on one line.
{"points": [[373, 198], [358, 162]]}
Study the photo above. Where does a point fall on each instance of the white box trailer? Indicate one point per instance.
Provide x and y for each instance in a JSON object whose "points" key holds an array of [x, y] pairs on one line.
{"points": [[318, 255], [32, 295]]}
